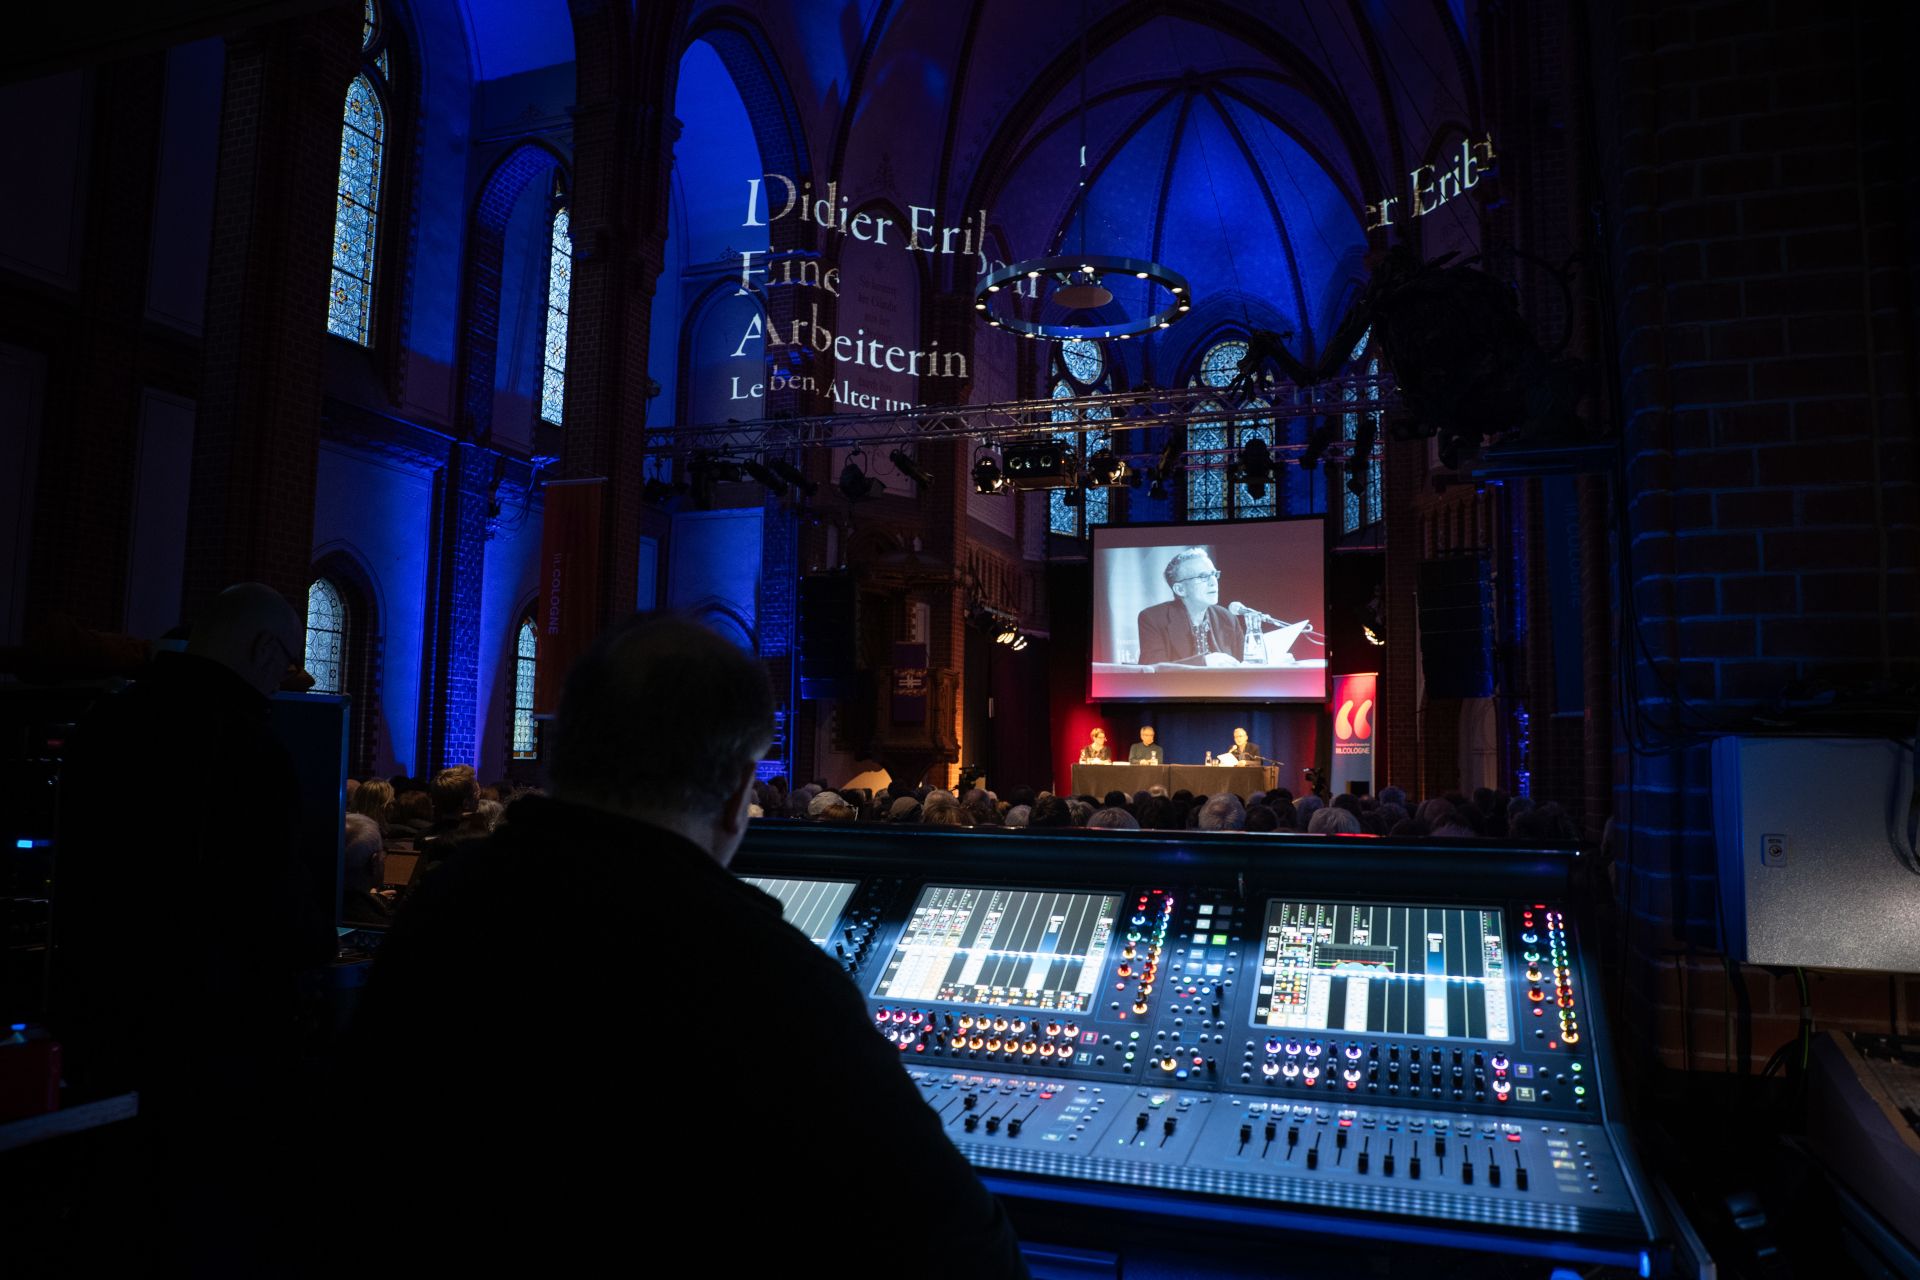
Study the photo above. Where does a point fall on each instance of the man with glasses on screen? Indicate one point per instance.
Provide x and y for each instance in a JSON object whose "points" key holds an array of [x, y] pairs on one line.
{"points": [[1191, 629]]}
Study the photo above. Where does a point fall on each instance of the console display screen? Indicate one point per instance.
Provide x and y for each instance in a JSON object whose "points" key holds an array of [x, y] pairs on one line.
{"points": [[811, 906], [1385, 970], [1032, 949]]}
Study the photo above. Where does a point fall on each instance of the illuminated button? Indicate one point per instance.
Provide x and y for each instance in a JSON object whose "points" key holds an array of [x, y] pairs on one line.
{"points": [[1293, 1046], [999, 1024], [1070, 1031], [993, 1044], [1579, 1066], [1501, 1088], [1053, 1028], [1273, 1044], [1046, 1049], [1290, 1070], [958, 1042], [1313, 1048], [1026, 1046], [1125, 970], [1529, 938], [1352, 1076], [1571, 1036], [1533, 973], [976, 1042], [1270, 1069], [1311, 1076], [916, 1017], [1168, 1063], [1353, 1053], [1146, 988], [1536, 994], [899, 1015], [1019, 1026], [1140, 1006], [1499, 1062]]}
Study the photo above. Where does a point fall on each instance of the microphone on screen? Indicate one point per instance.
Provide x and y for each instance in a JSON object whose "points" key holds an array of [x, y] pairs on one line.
{"points": [[1239, 610]]}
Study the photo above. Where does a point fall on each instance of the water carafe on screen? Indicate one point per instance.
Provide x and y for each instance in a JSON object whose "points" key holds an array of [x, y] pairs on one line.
{"points": [[1253, 650]]}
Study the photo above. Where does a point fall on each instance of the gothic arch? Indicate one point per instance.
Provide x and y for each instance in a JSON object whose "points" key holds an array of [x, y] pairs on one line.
{"points": [[527, 163]]}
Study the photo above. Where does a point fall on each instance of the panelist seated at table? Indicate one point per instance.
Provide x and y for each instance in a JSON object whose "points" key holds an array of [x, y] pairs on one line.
{"points": [[1243, 751], [1146, 751], [1096, 752]]}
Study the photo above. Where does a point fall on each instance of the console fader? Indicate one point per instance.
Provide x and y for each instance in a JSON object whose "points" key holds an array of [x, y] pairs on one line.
{"points": [[1251, 1032]]}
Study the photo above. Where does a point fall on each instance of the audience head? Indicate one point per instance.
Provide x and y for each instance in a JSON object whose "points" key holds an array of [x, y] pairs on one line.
{"points": [[1287, 817], [1393, 795], [415, 807], [822, 802], [1333, 821], [1306, 806], [1050, 811], [608, 748], [252, 631], [1112, 819], [1262, 818], [1351, 803], [455, 792], [1223, 813], [905, 809], [1018, 816], [365, 862], [374, 798]]}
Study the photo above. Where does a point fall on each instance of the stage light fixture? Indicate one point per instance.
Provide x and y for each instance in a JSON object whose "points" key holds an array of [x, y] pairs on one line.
{"points": [[1157, 490], [1036, 464], [1008, 634], [1019, 644], [772, 483], [1358, 470], [794, 476], [857, 484], [1105, 468], [908, 467], [1256, 467], [987, 476], [658, 492]]}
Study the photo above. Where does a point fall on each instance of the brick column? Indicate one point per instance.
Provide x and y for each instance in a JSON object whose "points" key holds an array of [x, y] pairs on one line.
{"points": [[1773, 530], [256, 443], [449, 714], [85, 483]]}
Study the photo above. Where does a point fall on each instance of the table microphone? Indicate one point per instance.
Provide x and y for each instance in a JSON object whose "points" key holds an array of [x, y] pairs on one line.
{"points": [[1239, 610]]}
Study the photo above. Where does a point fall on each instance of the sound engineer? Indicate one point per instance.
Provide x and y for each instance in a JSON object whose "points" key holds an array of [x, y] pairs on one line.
{"points": [[647, 1051]]}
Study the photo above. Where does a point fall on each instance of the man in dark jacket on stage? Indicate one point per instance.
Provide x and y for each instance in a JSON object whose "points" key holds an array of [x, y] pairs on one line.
{"points": [[594, 1039], [1192, 628]]}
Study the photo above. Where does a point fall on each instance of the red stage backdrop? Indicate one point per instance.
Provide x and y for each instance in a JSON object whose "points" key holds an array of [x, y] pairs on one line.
{"points": [[1354, 702], [569, 584]]}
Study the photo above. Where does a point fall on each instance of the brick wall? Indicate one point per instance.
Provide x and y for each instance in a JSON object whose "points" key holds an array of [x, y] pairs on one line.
{"points": [[1757, 153]]}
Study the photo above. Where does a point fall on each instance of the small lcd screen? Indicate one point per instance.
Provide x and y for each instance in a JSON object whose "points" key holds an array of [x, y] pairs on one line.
{"points": [[1028, 948], [1385, 970], [811, 906]]}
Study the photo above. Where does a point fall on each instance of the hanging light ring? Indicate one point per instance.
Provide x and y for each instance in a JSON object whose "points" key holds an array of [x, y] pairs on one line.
{"points": [[1082, 271]]}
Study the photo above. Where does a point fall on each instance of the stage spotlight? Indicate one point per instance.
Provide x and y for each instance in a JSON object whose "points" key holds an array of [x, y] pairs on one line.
{"points": [[857, 484], [772, 483], [1019, 644], [1008, 634], [1157, 490], [1036, 464], [986, 475], [1070, 497], [1317, 443], [1256, 467], [658, 492], [794, 476], [1103, 468], [905, 461], [1358, 468]]}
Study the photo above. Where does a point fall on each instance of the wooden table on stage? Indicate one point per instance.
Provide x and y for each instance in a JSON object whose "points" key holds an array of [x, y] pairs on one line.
{"points": [[1098, 779], [1201, 779], [1211, 779]]}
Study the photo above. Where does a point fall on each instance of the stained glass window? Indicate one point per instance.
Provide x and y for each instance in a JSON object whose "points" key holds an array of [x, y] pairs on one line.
{"points": [[1351, 517], [1360, 346], [326, 659], [1080, 369], [553, 385], [1221, 365], [1207, 484], [366, 27], [356, 216], [1084, 360], [526, 730]]}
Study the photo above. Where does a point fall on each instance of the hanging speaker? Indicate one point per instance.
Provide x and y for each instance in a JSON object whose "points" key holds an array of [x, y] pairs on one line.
{"points": [[827, 667], [1456, 627]]}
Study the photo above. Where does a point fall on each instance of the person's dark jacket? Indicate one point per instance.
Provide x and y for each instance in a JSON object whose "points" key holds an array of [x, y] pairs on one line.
{"points": [[167, 920], [1145, 753], [1167, 636], [590, 1037]]}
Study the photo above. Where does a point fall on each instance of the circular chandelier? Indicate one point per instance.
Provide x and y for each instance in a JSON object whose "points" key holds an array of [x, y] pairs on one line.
{"points": [[1080, 285]]}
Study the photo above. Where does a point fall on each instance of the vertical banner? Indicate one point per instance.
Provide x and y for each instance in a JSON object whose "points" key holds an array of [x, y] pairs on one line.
{"points": [[569, 584], [909, 687], [1353, 708]]}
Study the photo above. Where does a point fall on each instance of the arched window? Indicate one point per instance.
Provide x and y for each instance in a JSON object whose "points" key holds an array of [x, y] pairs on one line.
{"points": [[524, 743], [326, 656], [1210, 493], [553, 385], [1353, 517], [356, 215], [1080, 370]]}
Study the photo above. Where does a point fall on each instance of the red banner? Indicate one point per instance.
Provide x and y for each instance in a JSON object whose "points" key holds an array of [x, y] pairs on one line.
{"points": [[909, 690], [569, 584], [1353, 724]]}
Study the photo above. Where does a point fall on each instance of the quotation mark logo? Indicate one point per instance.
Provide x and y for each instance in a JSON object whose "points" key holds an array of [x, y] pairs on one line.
{"points": [[1354, 724]]}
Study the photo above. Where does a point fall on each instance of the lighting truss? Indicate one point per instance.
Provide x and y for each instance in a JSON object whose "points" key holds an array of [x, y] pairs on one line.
{"points": [[1014, 420]]}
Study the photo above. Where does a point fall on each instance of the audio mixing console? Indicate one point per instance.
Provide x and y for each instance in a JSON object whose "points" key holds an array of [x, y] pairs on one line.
{"points": [[1355, 1037]]}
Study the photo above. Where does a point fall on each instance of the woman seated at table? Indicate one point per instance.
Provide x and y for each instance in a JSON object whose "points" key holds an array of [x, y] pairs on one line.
{"points": [[1095, 752]]}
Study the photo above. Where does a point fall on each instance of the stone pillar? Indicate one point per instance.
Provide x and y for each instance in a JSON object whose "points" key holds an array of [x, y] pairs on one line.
{"points": [[449, 715]]}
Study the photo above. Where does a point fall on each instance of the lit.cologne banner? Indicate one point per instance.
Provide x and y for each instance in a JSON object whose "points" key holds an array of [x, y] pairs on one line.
{"points": [[1353, 708]]}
